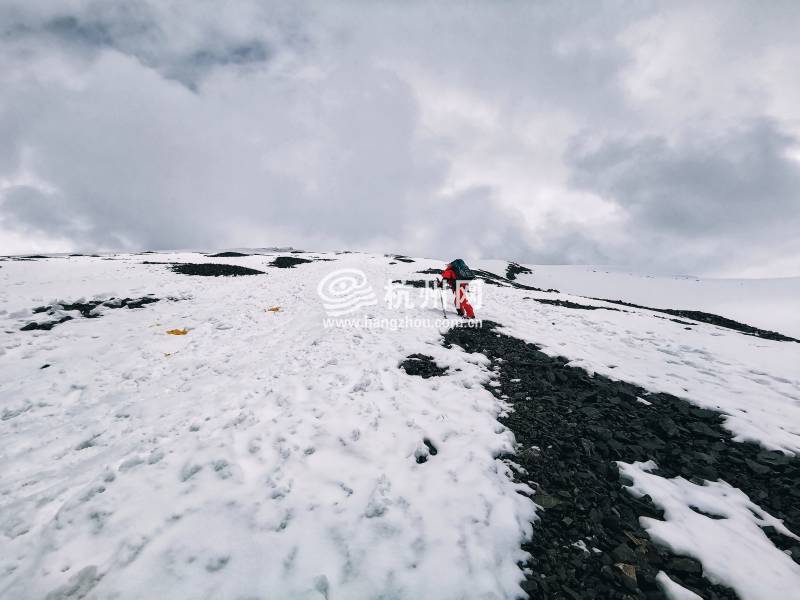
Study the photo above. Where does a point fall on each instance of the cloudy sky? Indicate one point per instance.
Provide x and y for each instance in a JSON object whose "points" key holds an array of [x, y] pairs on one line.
{"points": [[663, 136]]}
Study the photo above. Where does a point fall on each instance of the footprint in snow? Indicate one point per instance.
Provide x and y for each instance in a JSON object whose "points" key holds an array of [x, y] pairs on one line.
{"points": [[189, 470], [217, 563]]}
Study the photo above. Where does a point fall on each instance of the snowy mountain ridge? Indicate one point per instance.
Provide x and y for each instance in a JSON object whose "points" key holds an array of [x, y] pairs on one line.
{"points": [[183, 436]]}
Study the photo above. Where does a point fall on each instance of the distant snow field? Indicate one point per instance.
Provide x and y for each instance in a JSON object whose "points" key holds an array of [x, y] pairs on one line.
{"points": [[260, 454]]}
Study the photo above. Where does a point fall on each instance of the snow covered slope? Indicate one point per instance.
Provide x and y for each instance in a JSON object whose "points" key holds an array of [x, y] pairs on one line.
{"points": [[263, 454], [755, 382], [766, 303]]}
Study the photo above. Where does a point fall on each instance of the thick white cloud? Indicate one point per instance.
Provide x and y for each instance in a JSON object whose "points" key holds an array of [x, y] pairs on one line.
{"points": [[527, 131]]}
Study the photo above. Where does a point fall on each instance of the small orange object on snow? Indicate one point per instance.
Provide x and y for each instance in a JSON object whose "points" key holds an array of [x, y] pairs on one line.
{"points": [[178, 331], [274, 309]]}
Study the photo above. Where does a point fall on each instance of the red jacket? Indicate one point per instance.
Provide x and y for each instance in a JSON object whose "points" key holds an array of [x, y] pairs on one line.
{"points": [[450, 277], [461, 302]]}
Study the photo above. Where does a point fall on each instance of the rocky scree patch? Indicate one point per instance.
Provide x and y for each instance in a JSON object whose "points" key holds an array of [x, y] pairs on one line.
{"points": [[422, 365], [571, 428], [87, 309], [227, 255], [498, 280], [213, 270], [513, 269], [288, 262], [568, 304], [711, 319], [415, 283]]}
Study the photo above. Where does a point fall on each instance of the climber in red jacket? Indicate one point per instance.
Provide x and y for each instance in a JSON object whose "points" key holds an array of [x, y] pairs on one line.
{"points": [[459, 288]]}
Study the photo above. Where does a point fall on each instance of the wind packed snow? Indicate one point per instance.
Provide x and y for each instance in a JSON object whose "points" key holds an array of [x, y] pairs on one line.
{"points": [[263, 453], [730, 543]]}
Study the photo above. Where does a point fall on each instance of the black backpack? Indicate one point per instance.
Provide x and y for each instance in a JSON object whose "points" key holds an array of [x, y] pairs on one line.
{"points": [[462, 271]]}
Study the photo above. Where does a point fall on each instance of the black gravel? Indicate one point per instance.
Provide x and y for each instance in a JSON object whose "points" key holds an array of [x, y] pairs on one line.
{"points": [[571, 428], [415, 283], [712, 319], [214, 270], [568, 304], [513, 269], [85, 309], [288, 262], [422, 365], [227, 255], [499, 280]]}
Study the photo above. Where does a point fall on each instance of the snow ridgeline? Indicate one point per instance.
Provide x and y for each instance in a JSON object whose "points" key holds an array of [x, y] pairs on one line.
{"points": [[262, 453]]}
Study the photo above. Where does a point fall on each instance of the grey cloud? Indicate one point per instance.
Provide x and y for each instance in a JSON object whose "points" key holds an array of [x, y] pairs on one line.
{"points": [[28, 209], [134, 29], [423, 128], [72, 29], [741, 182], [191, 69], [719, 201]]}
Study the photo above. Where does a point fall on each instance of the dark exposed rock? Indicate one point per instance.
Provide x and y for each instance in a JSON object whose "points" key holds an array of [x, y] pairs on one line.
{"points": [[422, 365], [568, 304], [431, 448], [288, 262], [683, 564], [85, 309], [571, 428], [711, 319], [431, 451], [513, 269], [214, 270], [227, 255], [494, 279], [415, 283], [401, 258], [46, 325]]}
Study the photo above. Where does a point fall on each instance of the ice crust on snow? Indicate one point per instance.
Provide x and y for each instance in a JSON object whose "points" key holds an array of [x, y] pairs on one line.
{"points": [[730, 543]]}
